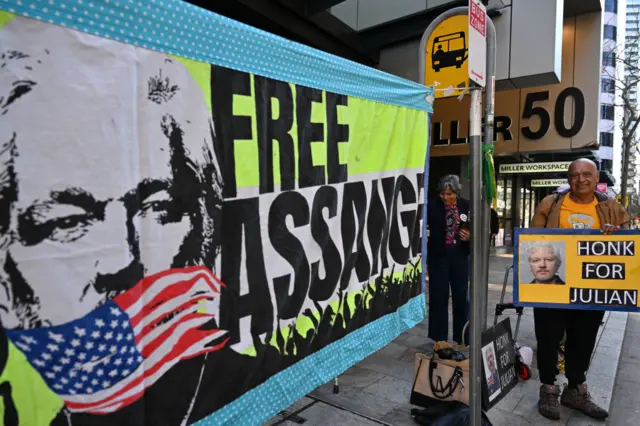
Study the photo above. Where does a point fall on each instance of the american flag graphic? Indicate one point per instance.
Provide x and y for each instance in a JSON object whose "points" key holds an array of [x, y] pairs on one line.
{"points": [[105, 360]]}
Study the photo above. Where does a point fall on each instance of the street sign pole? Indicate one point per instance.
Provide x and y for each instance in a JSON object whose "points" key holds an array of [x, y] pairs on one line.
{"points": [[489, 108], [481, 70], [478, 77], [477, 290]]}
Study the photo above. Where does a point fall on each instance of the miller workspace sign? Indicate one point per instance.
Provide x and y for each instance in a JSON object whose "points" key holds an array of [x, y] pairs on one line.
{"points": [[577, 269], [557, 167]]}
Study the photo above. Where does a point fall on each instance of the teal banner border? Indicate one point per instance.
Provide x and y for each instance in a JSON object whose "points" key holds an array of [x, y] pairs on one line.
{"points": [[182, 29], [266, 400]]}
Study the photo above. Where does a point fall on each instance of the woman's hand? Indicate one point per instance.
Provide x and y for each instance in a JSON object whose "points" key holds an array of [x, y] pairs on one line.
{"points": [[610, 229], [464, 234]]}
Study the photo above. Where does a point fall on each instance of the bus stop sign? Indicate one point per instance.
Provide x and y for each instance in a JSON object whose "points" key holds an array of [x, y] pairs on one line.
{"points": [[477, 42], [446, 57]]}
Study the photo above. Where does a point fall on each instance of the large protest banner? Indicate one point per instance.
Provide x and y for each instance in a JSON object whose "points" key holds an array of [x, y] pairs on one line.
{"points": [[577, 269], [200, 222]]}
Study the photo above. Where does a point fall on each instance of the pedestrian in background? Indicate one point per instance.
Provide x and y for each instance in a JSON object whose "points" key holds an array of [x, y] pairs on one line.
{"points": [[448, 259], [495, 226], [579, 207]]}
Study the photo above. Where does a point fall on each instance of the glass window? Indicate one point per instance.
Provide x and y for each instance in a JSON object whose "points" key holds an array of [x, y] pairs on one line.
{"points": [[611, 6], [606, 139], [606, 112], [608, 59], [610, 32], [607, 165], [608, 85]]}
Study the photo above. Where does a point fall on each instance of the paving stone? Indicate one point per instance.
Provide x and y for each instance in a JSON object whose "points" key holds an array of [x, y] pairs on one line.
{"points": [[412, 341], [322, 414], [357, 401], [503, 418], [397, 368], [579, 419], [357, 377], [399, 417], [392, 350], [391, 388]]}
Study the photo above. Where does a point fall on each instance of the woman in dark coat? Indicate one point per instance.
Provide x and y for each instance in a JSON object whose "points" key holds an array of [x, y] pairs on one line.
{"points": [[448, 259]]}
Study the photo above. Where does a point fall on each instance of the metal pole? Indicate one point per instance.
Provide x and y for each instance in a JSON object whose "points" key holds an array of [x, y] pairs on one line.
{"points": [[477, 290], [477, 257], [489, 107]]}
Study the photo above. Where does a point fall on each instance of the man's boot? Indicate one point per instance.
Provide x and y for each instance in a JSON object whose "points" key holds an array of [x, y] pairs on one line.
{"points": [[579, 399], [548, 405]]}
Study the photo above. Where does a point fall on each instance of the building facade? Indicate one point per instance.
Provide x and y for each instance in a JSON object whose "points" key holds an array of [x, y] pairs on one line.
{"points": [[549, 85]]}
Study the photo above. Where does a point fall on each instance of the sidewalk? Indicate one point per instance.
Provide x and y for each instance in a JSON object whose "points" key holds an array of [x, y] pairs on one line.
{"points": [[376, 390]]}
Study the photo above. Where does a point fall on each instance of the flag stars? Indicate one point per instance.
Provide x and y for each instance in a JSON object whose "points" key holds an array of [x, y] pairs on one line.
{"points": [[119, 337], [73, 373], [100, 372], [108, 335], [102, 347], [106, 384], [65, 361], [90, 345], [95, 335], [56, 368], [116, 312], [117, 361], [52, 347], [95, 382], [28, 340], [75, 343], [82, 356], [58, 338], [114, 324], [46, 356], [99, 323], [113, 373], [80, 332], [69, 352]]}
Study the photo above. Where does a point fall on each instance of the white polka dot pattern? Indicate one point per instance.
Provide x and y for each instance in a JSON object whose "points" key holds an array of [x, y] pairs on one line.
{"points": [[182, 29]]}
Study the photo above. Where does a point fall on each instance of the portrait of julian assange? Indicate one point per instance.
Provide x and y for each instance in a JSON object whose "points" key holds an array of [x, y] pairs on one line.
{"points": [[541, 263]]}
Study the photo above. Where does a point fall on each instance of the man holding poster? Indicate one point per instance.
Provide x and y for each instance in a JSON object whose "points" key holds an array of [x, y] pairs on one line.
{"points": [[581, 207]]}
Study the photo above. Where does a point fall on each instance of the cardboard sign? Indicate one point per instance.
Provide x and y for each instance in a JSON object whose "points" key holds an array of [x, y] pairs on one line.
{"points": [[577, 269], [499, 373]]}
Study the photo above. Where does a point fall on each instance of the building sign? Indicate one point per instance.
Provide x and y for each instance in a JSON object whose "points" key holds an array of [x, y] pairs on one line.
{"points": [[577, 269], [477, 42], [557, 167], [499, 363], [547, 183], [446, 57], [601, 187], [195, 242], [559, 117]]}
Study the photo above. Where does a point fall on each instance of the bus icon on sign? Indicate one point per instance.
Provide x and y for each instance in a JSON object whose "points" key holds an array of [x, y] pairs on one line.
{"points": [[449, 50]]}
